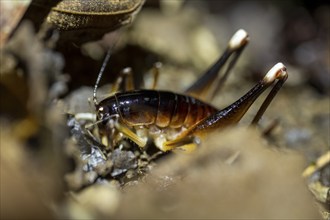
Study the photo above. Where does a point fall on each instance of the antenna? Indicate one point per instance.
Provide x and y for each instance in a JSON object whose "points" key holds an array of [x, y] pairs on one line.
{"points": [[104, 64]]}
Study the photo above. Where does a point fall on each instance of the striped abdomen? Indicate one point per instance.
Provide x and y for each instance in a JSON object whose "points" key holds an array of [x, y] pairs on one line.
{"points": [[161, 108]]}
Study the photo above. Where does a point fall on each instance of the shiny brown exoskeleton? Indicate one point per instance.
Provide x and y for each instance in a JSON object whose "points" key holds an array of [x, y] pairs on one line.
{"points": [[160, 108], [174, 120]]}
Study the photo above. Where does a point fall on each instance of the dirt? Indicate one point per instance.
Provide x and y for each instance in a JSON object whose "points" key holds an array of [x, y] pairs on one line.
{"points": [[53, 160]]}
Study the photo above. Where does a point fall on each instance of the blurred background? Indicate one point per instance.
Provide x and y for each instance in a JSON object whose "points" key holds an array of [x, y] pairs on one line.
{"points": [[240, 173]]}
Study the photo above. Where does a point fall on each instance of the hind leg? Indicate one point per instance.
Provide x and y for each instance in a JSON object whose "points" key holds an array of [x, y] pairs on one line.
{"points": [[210, 82], [232, 114]]}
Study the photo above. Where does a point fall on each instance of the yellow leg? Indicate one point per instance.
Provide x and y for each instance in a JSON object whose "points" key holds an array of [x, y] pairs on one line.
{"points": [[186, 144], [154, 74], [124, 81], [187, 148], [131, 135]]}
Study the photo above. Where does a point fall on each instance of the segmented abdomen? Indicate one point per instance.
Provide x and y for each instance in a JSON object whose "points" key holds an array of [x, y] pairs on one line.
{"points": [[162, 108]]}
